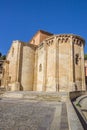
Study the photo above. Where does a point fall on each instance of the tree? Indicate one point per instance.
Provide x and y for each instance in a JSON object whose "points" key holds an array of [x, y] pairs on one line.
{"points": [[0, 54], [85, 56], [2, 57]]}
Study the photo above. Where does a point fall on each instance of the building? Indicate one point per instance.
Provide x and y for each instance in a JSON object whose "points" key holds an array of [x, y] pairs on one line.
{"points": [[47, 62], [86, 72], [1, 72]]}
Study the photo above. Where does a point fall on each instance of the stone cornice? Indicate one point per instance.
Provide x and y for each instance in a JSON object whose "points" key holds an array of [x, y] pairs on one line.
{"points": [[40, 45], [63, 38], [75, 39], [32, 46]]}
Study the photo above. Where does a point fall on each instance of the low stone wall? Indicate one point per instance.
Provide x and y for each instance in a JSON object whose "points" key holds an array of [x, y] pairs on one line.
{"points": [[80, 105], [75, 94], [33, 95]]}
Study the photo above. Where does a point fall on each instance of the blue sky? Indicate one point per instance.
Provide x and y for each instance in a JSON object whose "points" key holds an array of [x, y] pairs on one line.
{"points": [[21, 19]]}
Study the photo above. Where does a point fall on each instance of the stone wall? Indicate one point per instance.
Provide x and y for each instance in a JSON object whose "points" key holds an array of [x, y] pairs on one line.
{"points": [[56, 64], [51, 65], [6, 75], [85, 67], [64, 64], [11, 67], [79, 64], [45, 76], [39, 37], [1, 72], [27, 74], [86, 72], [61, 58], [78, 71], [40, 69]]}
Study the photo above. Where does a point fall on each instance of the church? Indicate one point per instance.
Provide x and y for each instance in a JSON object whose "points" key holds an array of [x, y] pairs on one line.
{"points": [[48, 62]]}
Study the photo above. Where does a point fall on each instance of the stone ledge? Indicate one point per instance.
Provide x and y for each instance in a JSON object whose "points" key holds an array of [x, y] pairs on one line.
{"points": [[61, 96]]}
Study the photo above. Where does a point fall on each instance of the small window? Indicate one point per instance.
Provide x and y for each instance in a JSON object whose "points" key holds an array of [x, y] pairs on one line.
{"points": [[12, 51], [9, 79], [40, 67]]}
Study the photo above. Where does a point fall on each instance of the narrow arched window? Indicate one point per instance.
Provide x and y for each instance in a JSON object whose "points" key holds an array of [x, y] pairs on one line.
{"points": [[12, 51], [9, 79], [76, 59], [40, 67]]}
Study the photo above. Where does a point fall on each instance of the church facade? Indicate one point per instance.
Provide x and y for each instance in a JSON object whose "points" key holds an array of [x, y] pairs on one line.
{"points": [[48, 63]]}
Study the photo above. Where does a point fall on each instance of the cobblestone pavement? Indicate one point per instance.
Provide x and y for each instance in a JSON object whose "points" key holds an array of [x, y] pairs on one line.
{"points": [[30, 115], [64, 119]]}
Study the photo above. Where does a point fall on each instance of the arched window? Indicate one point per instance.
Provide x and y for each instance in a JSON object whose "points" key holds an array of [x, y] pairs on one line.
{"points": [[76, 59], [40, 67], [0, 83], [9, 79]]}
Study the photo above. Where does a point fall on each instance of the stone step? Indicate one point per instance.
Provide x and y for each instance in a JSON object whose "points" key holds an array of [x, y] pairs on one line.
{"points": [[31, 95]]}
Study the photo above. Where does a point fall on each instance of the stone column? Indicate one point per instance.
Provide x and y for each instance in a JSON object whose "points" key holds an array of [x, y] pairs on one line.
{"points": [[18, 62], [16, 86], [35, 71], [6, 74], [57, 64], [72, 67], [45, 67]]}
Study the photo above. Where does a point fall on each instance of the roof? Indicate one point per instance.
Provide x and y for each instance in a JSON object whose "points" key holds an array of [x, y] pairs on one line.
{"points": [[42, 31]]}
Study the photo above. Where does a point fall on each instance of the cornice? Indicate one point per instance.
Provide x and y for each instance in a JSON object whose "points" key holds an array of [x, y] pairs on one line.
{"points": [[66, 38], [75, 39]]}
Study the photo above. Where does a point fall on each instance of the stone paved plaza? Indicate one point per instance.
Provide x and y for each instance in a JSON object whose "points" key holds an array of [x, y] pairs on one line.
{"points": [[37, 111], [30, 115]]}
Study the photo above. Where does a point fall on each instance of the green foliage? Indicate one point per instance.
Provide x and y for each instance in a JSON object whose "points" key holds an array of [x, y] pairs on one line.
{"points": [[0, 54], [2, 57], [85, 57], [78, 104]]}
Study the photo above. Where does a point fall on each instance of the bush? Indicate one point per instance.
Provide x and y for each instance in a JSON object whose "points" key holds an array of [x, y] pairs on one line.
{"points": [[2, 57], [78, 104]]}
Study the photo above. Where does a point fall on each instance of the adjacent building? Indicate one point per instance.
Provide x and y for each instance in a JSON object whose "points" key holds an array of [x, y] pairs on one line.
{"points": [[47, 62], [86, 72], [1, 72]]}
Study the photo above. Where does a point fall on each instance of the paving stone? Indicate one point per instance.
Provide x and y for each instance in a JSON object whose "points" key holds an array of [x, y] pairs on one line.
{"points": [[64, 119], [25, 114], [22, 115]]}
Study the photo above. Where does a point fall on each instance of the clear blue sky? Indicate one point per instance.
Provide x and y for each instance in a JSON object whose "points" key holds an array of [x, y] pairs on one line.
{"points": [[20, 19]]}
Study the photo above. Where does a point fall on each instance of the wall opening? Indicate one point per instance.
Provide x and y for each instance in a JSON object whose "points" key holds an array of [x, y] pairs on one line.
{"points": [[76, 59], [12, 51], [0, 82], [40, 67]]}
